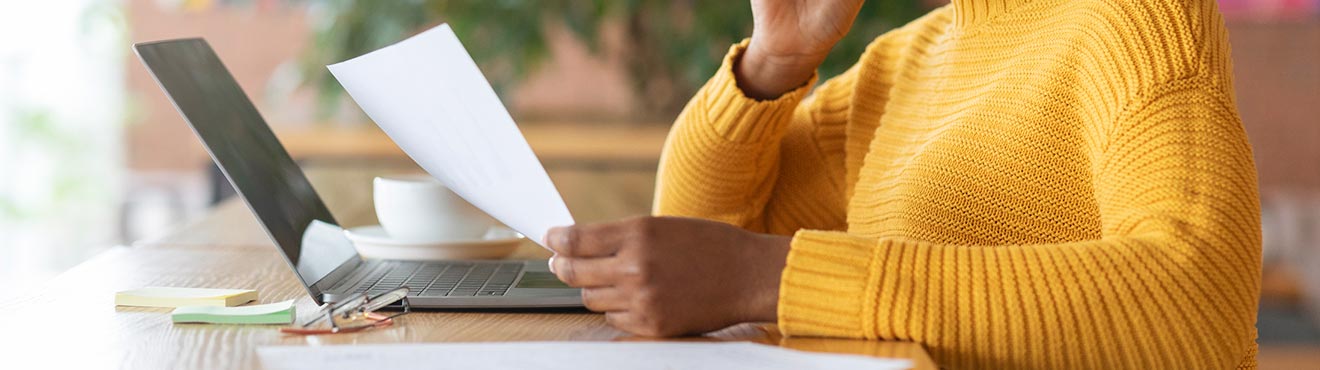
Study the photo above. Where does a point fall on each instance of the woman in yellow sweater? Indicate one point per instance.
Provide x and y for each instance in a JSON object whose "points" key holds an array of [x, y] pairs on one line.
{"points": [[1049, 184]]}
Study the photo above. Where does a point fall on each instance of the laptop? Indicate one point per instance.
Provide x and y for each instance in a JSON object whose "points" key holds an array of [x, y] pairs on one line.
{"points": [[277, 191]]}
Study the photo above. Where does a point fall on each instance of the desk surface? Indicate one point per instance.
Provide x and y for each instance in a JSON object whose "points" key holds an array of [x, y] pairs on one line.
{"points": [[72, 322]]}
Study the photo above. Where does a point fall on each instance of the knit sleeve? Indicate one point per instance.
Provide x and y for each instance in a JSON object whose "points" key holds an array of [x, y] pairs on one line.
{"points": [[723, 157], [1173, 282]]}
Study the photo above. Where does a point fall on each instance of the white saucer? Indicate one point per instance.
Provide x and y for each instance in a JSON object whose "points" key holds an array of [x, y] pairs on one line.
{"points": [[373, 242]]}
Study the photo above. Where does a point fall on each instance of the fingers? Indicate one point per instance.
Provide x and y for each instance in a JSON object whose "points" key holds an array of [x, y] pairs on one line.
{"points": [[641, 324], [586, 272], [605, 299], [624, 320], [595, 240]]}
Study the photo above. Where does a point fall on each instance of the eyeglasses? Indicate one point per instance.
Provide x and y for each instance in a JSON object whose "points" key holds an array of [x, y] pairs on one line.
{"points": [[357, 313]]}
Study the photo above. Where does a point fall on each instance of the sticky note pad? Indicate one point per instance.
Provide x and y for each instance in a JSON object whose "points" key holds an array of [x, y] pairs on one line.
{"points": [[177, 297], [273, 313]]}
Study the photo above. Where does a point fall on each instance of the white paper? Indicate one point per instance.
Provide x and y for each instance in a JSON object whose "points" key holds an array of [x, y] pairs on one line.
{"points": [[428, 95], [563, 356]]}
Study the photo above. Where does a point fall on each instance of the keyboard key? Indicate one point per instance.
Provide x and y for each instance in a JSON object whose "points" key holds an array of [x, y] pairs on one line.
{"points": [[443, 279]]}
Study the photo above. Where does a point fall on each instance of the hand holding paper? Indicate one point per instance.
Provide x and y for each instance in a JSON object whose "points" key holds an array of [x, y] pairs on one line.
{"points": [[428, 95]]}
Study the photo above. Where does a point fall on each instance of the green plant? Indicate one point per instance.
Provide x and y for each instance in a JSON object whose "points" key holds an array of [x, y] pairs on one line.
{"points": [[38, 129], [671, 47]]}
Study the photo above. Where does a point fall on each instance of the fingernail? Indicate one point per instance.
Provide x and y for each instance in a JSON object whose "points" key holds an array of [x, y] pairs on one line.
{"points": [[561, 237], [552, 238], [551, 264]]}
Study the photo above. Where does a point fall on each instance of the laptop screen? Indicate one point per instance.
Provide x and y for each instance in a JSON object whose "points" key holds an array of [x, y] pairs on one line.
{"points": [[248, 153]]}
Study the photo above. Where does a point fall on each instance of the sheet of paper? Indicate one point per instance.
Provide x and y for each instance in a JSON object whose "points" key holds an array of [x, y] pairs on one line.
{"points": [[428, 95], [563, 356], [177, 296], [270, 313]]}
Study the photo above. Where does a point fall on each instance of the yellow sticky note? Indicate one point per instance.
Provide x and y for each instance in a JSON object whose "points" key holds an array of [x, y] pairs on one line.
{"points": [[178, 297]]}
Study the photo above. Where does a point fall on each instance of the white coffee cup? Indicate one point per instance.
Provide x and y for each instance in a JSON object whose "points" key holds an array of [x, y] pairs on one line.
{"points": [[420, 208]]}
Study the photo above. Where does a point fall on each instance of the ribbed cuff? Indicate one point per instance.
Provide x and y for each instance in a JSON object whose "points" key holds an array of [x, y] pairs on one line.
{"points": [[827, 288], [739, 118]]}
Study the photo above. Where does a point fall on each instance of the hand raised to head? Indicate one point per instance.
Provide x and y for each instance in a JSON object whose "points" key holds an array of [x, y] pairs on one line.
{"points": [[790, 39]]}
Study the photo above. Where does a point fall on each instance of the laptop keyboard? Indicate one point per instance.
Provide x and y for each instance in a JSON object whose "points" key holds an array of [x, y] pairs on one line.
{"points": [[443, 279]]}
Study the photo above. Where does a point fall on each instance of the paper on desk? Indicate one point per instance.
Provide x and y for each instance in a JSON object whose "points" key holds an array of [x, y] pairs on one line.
{"points": [[563, 356], [428, 95]]}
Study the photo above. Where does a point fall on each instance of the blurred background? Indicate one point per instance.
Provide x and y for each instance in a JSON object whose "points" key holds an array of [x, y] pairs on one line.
{"points": [[92, 155]]}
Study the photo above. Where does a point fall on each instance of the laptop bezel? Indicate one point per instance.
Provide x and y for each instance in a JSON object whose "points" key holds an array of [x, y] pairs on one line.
{"points": [[315, 289]]}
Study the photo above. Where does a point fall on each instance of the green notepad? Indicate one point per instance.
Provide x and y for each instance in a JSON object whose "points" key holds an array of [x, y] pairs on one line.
{"points": [[273, 313]]}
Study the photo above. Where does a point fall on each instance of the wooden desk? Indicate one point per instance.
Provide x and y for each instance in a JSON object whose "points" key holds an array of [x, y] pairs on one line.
{"points": [[72, 322]]}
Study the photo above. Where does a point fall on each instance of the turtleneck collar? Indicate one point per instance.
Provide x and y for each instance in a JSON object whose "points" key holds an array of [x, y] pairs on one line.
{"points": [[971, 12]]}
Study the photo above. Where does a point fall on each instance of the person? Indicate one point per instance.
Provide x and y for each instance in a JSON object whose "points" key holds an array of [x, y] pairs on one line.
{"points": [[1042, 184]]}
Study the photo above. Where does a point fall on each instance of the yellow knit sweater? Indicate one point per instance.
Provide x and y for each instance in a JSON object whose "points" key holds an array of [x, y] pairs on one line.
{"points": [[1050, 184]]}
